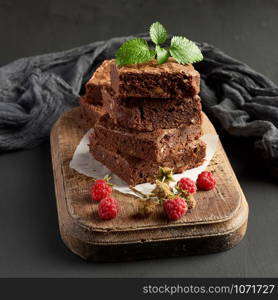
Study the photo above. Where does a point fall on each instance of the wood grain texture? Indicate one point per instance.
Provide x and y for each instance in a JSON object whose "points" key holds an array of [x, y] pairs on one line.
{"points": [[217, 223]]}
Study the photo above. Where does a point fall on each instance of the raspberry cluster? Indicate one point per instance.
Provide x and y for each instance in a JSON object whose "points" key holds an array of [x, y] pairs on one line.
{"points": [[175, 204], [176, 207], [108, 207]]}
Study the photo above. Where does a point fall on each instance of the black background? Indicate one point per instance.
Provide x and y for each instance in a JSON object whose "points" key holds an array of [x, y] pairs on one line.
{"points": [[29, 239]]}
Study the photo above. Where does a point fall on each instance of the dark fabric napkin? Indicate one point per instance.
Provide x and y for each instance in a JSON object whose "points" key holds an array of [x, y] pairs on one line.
{"points": [[34, 91]]}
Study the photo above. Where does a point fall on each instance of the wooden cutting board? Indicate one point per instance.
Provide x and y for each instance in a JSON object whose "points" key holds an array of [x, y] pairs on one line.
{"points": [[217, 223]]}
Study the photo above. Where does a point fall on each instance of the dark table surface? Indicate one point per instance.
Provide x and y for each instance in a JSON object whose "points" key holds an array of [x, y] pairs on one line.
{"points": [[30, 242]]}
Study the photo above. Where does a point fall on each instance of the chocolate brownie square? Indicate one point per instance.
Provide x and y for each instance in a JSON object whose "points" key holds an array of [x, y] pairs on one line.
{"points": [[135, 171], [100, 79], [152, 113], [150, 80], [155, 145], [90, 112]]}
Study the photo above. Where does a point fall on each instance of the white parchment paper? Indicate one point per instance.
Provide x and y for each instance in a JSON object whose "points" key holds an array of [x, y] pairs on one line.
{"points": [[84, 163]]}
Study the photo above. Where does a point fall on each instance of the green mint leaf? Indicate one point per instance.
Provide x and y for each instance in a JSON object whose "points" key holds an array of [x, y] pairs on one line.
{"points": [[158, 33], [185, 51], [162, 54], [134, 51]]}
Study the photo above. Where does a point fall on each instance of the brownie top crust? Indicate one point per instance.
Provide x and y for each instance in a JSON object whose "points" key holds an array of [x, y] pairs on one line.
{"points": [[151, 67], [99, 80], [102, 74]]}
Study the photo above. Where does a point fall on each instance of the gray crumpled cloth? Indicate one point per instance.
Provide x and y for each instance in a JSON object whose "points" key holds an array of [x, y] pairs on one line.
{"points": [[34, 91]]}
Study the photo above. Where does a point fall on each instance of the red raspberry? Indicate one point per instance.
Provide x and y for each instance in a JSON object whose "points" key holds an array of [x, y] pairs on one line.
{"points": [[206, 181], [187, 185], [175, 208], [108, 208], [100, 189]]}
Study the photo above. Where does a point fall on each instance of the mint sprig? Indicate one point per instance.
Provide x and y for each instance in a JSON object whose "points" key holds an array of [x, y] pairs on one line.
{"points": [[137, 51]]}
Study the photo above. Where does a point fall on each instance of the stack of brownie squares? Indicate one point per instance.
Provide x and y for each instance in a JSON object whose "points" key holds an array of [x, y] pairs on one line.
{"points": [[144, 117]]}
